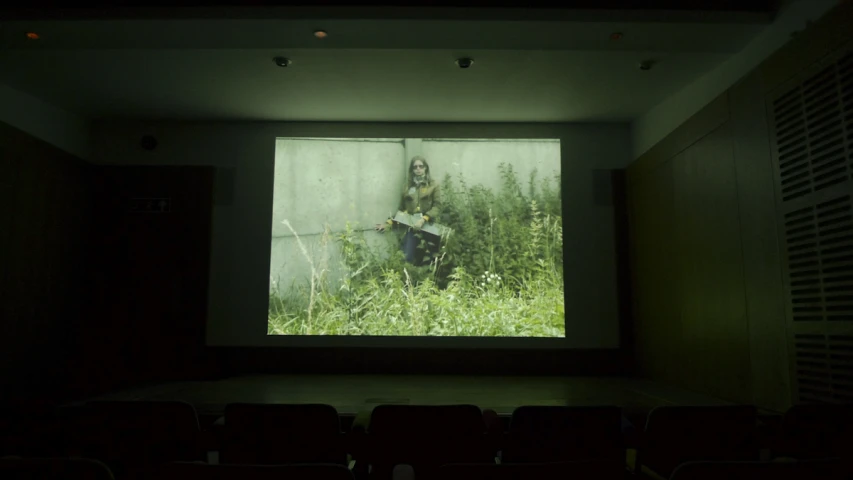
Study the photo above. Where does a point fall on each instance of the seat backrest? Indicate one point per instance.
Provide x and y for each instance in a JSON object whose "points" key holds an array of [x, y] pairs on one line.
{"points": [[405, 420], [281, 433], [131, 434], [796, 470], [554, 434], [816, 431], [53, 469], [678, 434], [425, 436], [593, 470], [203, 471], [30, 432]]}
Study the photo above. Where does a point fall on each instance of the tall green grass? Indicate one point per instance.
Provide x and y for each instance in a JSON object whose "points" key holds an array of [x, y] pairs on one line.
{"points": [[499, 273]]}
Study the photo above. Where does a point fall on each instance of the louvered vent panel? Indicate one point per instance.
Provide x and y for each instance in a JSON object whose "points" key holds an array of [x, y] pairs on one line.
{"points": [[824, 366], [791, 145], [835, 237], [803, 265], [811, 119], [819, 249], [845, 82], [812, 364], [814, 131], [841, 367]]}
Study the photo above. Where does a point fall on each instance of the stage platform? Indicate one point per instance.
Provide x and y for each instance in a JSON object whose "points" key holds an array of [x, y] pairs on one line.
{"points": [[354, 394]]}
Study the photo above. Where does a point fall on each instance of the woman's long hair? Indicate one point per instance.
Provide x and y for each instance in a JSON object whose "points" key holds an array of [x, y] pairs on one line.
{"points": [[410, 177]]}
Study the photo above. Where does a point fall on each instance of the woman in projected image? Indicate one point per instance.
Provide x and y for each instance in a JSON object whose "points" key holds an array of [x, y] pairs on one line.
{"points": [[421, 199]]}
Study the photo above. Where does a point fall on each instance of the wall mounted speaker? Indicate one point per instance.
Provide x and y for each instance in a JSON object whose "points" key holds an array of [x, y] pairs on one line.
{"points": [[602, 187], [148, 142]]}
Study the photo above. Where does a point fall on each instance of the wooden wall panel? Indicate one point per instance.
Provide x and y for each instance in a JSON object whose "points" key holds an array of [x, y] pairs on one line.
{"points": [[770, 372], [713, 327], [94, 296], [46, 205], [150, 289], [690, 310], [706, 120], [653, 283]]}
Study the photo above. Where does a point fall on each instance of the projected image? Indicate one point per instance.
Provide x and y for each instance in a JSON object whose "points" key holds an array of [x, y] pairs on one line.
{"points": [[417, 237]]}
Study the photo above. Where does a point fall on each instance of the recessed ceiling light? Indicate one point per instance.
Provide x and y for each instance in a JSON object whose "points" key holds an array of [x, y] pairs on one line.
{"points": [[282, 61], [616, 36], [33, 35], [464, 62], [646, 65], [321, 34]]}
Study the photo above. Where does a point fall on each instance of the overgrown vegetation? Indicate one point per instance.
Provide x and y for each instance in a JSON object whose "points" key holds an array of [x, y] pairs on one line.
{"points": [[499, 273]]}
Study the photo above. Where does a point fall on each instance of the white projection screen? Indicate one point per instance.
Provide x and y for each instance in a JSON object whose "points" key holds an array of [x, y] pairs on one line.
{"points": [[520, 252], [417, 237]]}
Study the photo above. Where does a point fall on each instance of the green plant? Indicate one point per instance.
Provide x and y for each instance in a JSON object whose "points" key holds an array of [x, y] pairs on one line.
{"points": [[510, 241], [489, 228]]}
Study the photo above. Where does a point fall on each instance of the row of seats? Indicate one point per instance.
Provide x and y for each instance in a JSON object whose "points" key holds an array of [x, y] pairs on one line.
{"points": [[86, 469], [133, 436]]}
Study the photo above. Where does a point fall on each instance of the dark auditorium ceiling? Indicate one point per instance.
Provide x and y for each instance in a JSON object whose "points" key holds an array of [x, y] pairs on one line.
{"points": [[389, 61]]}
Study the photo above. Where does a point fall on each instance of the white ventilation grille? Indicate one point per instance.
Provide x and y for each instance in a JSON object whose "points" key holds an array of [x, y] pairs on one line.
{"points": [[819, 253], [814, 131], [824, 366], [811, 120]]}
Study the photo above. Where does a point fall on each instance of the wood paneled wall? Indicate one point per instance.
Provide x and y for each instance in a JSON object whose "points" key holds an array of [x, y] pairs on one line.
{"points": [[150, 289], [709, 299], [46, 201], [96, 296], [690, 313]]}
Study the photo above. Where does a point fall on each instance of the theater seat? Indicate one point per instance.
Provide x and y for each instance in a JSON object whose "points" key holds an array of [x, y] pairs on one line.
{"points": [[815, 431], [425, 437], [678, 434], [30, 432], [133, 435], [559, 434], [775, 470], [594, 470], [53, 469], [202, 471], [266, 434]]}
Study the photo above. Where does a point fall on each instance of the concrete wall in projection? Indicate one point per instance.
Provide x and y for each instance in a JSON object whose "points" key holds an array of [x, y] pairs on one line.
{"points": [[323, 184], [477, 161]]}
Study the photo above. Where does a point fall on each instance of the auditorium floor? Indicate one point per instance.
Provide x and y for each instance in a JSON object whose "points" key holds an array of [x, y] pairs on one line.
{"points": [[351, 394]]}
